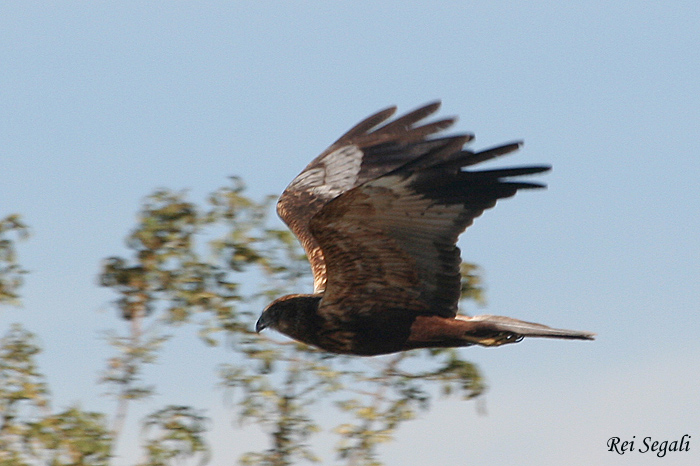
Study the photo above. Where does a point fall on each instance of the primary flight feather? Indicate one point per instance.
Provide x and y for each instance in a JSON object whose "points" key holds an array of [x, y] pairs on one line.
{"points": [[378, 214]]}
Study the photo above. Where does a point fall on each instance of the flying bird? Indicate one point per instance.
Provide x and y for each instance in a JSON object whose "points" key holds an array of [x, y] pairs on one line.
{"points": [[378, 214]]}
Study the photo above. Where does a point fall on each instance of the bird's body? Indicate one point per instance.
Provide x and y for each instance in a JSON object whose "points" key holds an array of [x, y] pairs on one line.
{"points": [[378, 214]]}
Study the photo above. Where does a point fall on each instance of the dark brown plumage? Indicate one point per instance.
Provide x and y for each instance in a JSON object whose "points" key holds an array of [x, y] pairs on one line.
{"points": [[378, 214]]}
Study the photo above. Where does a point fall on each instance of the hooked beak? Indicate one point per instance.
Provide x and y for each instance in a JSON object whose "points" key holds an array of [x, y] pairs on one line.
{"points": [[262, 323]]}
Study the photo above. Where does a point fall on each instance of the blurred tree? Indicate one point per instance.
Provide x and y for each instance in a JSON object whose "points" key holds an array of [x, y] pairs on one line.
{"points": [[29, 433], [179, 430]]}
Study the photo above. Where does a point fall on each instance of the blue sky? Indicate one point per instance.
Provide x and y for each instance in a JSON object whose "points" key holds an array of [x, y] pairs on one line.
{"points": [[102, 102]]}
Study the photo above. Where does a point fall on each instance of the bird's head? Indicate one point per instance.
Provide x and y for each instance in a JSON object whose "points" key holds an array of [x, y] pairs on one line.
{"points": [[269, 317], [292, 315]]}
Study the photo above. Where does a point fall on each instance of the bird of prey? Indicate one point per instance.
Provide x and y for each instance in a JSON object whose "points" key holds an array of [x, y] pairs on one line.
{"points": [[378, 214]]}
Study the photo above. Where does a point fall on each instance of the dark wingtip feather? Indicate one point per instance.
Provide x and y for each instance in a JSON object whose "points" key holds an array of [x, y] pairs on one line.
{"points": [[518, 185], [407, 121], [428, 108], [368, 123], [472, 158], [511, 171]]}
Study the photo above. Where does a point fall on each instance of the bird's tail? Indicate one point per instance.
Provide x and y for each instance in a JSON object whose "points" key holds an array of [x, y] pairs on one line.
{"points": [[499, 330]]}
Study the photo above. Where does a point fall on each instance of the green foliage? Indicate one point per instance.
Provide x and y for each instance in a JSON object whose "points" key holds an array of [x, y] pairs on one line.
{"points": [[22, 387], [193, 265], [174, 434], [124, 370], [394, 392], [167, 268], [281, 405], [72, 437], [472, 285], [10, 271], [29, 433]]}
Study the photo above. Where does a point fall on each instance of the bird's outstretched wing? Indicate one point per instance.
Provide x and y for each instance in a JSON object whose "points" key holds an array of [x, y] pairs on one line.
{"points": [[391, 241], [365, 152]]}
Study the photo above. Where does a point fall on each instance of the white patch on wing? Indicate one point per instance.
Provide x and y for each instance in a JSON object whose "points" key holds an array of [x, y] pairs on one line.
{"points": [[307, 178], [332, 175], [341, 169]]}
